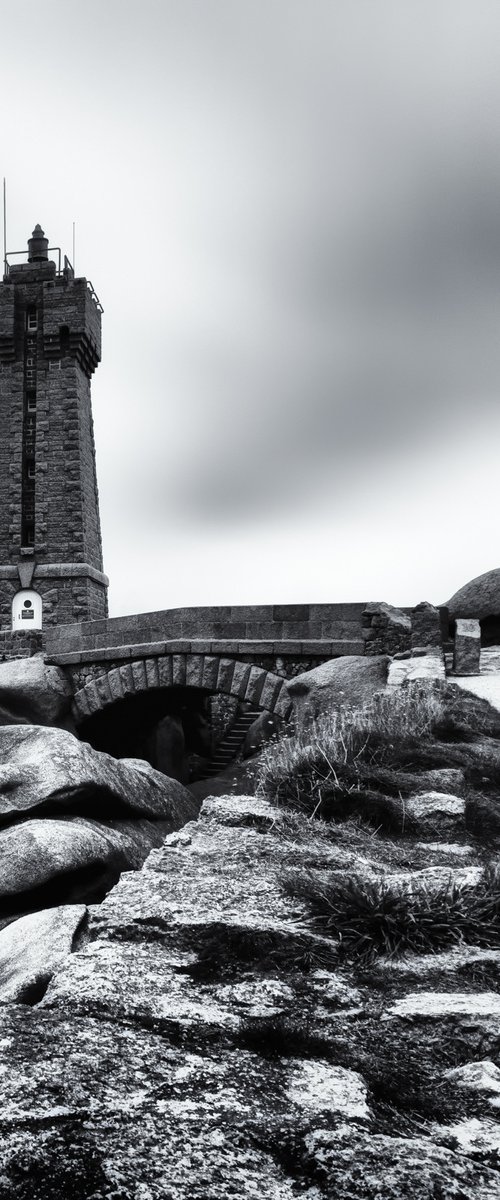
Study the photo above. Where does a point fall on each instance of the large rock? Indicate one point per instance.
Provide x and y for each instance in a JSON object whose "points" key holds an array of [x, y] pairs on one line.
{"points": [[479, 598], [347, 682], [32, 692], [48, 771], [70, 859], [32, 948]]}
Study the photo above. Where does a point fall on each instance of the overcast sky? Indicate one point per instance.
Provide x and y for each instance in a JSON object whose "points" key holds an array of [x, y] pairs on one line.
{"points": [[290, 210]]}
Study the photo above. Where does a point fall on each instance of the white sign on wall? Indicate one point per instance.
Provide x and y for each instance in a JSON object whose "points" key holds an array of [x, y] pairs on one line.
{"points": [[27, 611]]}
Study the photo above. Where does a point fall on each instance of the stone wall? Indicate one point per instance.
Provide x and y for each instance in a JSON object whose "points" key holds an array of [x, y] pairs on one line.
{"points": [[323, 630], [386, 630], [19, 645]]}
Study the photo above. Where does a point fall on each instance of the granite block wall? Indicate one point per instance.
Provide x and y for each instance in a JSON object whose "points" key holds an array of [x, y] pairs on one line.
{"points": [[49, 507]]}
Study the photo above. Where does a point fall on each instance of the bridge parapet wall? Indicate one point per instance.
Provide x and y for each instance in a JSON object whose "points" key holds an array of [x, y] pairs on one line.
{"points": [[336, 628]]}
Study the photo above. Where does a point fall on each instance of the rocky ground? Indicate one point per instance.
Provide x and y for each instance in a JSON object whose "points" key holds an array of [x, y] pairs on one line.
{"points": [[209, 1032], [205, 1040]]}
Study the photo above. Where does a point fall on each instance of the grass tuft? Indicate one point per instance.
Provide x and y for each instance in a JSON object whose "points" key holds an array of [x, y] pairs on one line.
{"points": [[373, 917]]}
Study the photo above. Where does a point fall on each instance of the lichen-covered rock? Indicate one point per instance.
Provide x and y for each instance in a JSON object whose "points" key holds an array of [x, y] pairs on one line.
{"points": [[352, 1165], [206, 1039], [477, 1077], [457, 962], [447, 1004], [33, 692], [46, 771], [426, 666], [479, 1138], [436, 811], [33, 947], [317, 1087], [98, 1109]]}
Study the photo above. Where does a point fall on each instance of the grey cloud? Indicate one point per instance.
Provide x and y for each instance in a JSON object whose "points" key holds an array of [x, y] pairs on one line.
{"points": [[392, 334]]}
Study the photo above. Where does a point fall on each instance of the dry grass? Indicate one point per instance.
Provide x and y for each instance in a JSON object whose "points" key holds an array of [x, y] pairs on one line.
{"points": [[365, 762], [345, 753]]}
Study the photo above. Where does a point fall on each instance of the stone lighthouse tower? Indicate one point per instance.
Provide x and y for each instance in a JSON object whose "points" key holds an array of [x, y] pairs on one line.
{"points": [[51, 568]]}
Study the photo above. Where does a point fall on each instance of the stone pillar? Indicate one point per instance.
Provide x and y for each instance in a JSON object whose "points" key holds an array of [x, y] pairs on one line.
{"points": [[467, 648]]}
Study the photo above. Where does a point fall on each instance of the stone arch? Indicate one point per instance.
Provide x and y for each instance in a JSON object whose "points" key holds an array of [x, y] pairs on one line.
{"points": [[242, 680]]}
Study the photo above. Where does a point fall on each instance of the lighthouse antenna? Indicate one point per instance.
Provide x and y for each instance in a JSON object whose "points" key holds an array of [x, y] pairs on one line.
{"points": [[4, 226]]}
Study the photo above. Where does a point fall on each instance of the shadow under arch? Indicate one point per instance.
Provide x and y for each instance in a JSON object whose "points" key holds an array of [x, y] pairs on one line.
{"points": [[159, 709]]}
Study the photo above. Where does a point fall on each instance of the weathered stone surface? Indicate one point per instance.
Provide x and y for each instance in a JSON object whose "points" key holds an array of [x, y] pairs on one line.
{"points": [[357, 1165], [33, 692], [33, 947], [135, 1038], [319, 1086], [447, 1004], [478, 1138], [97, 1109], [340, 683], [240, 810], [477, 1077], [153, 921], [467, 647], [436, 877], [445, 963], [171, 1050], [428, 665], [49, 770], [437, 810]]}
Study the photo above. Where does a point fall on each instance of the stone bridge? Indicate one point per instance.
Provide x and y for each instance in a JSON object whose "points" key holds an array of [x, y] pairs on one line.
{"points": [[180, 687], [245, 652]]}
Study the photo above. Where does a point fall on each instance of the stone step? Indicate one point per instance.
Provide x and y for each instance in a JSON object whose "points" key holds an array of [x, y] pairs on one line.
{"points": [[227, 749]]}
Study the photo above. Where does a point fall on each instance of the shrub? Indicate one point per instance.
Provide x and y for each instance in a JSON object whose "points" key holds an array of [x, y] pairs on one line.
{"points": [[369, 917]]}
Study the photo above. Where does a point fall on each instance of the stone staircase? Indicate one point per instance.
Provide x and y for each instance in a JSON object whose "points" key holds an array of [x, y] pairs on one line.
{"points": [[230, 745]]}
